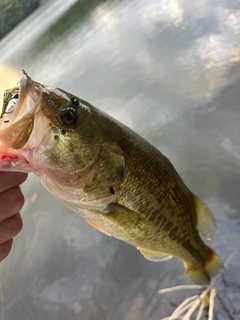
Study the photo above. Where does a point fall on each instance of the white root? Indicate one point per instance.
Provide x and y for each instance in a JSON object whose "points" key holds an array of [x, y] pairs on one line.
{"points": [[211, 303], [200, 311], [183, 287], [191, 304], [185, 305]]}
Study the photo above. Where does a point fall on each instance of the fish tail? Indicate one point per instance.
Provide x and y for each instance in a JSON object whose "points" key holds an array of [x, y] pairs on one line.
{"points": [[204, 273]]}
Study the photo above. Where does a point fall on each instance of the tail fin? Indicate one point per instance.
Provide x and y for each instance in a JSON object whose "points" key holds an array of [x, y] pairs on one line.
{"points": [[203, 274]]}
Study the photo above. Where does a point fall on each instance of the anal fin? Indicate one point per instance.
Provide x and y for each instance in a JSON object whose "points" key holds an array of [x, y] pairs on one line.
{"points": [[97, 227], [154, 255]]}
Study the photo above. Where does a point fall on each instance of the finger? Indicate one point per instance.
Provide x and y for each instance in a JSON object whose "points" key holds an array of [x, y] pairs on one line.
{"points": [[11, 202], [11, 179], [5, 249], [10, 227]]}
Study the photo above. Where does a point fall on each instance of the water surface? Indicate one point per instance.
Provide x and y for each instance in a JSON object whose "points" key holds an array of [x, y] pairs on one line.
{"points": [[171, 71]]}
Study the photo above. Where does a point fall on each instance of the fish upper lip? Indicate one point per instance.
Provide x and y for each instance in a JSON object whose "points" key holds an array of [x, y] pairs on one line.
{"points": [[33, 94]]}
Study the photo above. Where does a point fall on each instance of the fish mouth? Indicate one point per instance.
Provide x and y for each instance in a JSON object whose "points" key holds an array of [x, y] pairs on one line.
{"points": [[21, 132], [18, 113]]}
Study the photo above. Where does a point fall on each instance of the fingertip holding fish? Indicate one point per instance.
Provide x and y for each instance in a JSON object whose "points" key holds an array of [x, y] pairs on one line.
{"points": [[117, 181]]}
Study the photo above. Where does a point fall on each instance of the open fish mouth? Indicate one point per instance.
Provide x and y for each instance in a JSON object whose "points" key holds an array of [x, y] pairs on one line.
{"points": [[11, 97], [18, 112], [18, 135]]}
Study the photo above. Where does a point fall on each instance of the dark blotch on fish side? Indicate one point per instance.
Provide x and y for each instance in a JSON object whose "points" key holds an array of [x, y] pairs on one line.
{"points": [[112, 190]]}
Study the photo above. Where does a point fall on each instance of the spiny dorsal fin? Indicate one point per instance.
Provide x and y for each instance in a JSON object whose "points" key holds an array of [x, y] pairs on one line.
{"points": [[154, 255], [206, 223]]}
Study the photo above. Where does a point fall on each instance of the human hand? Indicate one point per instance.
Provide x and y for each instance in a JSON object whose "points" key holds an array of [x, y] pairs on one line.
{"points": [[11, 202]]}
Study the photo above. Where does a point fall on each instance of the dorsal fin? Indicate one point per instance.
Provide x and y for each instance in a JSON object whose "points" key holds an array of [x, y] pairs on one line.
{"points": [[206, 223]]}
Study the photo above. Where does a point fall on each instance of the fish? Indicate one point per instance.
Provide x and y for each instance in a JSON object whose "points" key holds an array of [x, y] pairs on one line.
{"points": [[117, 181]]}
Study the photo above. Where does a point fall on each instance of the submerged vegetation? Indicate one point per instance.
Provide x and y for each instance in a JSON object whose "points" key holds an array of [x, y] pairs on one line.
{"points": [[14, 11]]}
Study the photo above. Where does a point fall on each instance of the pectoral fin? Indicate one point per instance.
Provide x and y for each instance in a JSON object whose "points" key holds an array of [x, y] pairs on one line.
{"points": [[118, 208], [206, 223], [154, 255], [97, 227]]}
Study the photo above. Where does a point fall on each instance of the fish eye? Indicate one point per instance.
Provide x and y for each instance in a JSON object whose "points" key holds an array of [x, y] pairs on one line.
{"points": [[69, 116]]}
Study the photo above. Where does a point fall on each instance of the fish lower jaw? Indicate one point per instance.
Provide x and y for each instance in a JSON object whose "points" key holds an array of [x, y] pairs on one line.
{"points": [[14, 162]]}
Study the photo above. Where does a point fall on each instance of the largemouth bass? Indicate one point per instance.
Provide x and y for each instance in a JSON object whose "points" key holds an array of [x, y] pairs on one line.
{"points": [[118, 182]]}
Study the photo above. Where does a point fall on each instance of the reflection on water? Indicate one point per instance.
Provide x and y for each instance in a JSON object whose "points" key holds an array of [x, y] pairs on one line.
{"points": [[169, 70]]}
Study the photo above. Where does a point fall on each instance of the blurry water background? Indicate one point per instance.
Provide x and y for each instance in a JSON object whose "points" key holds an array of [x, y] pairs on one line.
{"points": [[169, 69]]}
